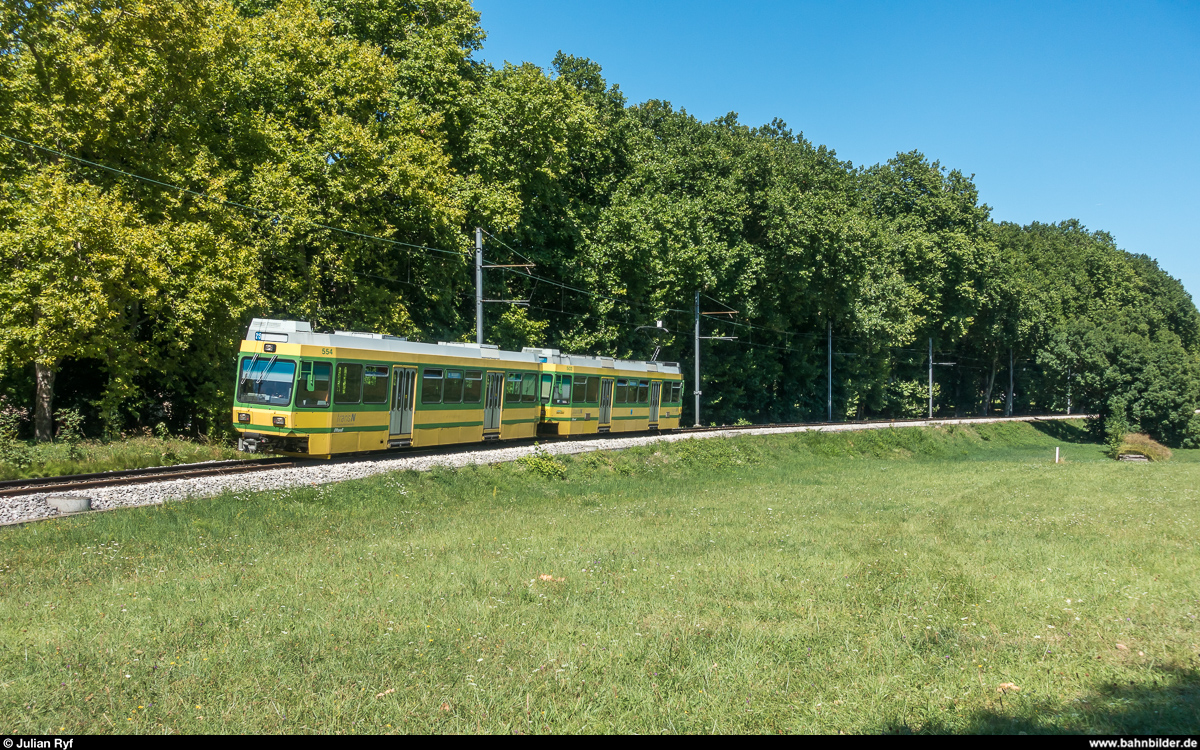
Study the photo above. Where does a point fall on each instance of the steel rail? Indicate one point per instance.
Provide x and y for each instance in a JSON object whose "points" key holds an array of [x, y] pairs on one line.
{"points": [[915, 421], [69, 482]]}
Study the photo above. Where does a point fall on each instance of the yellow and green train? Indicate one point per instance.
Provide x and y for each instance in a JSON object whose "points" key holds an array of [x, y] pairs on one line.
{"points": [[324, 394]]}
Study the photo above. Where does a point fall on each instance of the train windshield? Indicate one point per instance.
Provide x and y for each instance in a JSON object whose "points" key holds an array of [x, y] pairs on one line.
{"points": [[266, 381]]}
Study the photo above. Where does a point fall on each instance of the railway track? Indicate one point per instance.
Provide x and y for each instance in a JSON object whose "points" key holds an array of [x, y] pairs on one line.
{"points": [[18, 487], [914, 422], [14, 487]]}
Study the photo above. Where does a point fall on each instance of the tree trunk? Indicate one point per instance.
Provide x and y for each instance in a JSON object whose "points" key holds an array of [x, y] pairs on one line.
{"points": [[43, 423], [987, 396], [1008, 398]]}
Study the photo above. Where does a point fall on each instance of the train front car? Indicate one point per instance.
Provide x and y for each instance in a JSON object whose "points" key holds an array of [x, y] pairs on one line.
{"points": [[583, 395], [266, 379]]}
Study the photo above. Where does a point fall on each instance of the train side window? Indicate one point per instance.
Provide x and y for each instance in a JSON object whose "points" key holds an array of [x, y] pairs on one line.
{"points": [[643, 394], [375, 385], [431, 387], [314, 384], [529, 388], [547, 387], [593, 390], [512, 388], [473, 388], [348, 384], [676, 392], [454, 387], [562, 390], [579, 390], [619, 391]]}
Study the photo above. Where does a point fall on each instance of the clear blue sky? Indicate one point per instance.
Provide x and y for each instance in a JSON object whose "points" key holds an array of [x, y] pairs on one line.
{"points": [[1061, 110]]}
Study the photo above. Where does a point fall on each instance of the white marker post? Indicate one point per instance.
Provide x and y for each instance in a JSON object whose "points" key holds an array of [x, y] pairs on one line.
{"points": [[1056, 455]]}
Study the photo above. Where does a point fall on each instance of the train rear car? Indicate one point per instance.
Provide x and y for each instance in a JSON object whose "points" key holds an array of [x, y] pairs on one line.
{"points": [[584, 395]]}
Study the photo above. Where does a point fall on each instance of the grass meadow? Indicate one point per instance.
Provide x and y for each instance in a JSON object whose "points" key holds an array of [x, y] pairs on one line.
{"points": [[20, 459], [872, 582]]}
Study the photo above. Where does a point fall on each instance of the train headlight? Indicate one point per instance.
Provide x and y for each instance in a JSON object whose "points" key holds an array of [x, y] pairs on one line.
{"points": [[243, 417], [277, 421]]}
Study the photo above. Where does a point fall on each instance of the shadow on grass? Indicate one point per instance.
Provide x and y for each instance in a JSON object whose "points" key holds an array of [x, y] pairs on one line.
{"points": [[1171, 705], [1068, 432]]}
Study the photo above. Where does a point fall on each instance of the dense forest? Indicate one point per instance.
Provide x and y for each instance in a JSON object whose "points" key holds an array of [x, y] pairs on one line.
{"points": [[171, 169]]}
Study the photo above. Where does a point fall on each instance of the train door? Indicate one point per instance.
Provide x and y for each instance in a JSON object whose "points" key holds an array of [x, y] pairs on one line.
{"points": [[404, 386], [493, 405], [606, 394], [655, 397]]}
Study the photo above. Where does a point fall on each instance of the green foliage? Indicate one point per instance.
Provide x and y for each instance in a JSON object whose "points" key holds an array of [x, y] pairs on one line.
{"points": [[715, 453], [516, 329], [13, 450], [70, 425], [543, 463], [70, 431], [1135, 378], [373, 116], [909, 398], [1116, 429]]}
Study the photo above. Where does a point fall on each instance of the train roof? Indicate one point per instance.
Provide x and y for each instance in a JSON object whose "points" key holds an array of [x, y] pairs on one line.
{"points": [[300, 332]]}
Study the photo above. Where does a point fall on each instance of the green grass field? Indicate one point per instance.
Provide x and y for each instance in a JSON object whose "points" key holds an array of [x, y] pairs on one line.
{"points": [[21, 459], [885, 581]]}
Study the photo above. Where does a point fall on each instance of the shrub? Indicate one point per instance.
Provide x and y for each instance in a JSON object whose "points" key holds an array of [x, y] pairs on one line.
{"points": [[543, 463], [1116, 429], [13, 450], [1143, 445], [70, 431]]}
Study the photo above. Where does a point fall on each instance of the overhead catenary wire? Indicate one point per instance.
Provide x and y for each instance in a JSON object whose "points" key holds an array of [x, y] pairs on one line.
{"points": [[509, 247], [460, 254], [886, 356], [537, 279], [231, 204], [568, 287], [724, 321]]}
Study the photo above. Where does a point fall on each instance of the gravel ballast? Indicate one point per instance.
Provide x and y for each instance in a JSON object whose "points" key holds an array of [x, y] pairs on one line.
{"points": [[34, 507]]}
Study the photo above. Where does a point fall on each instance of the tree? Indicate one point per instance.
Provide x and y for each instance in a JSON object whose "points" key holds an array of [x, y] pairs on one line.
{"points": [[88, 278], [1131, 379]]}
